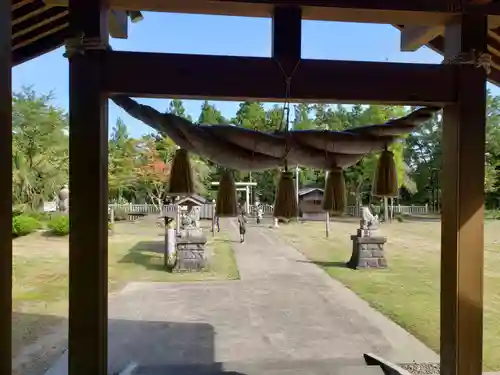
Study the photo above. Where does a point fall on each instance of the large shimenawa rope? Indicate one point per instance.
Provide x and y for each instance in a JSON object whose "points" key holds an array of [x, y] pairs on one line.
{"points": [[307, 148]]}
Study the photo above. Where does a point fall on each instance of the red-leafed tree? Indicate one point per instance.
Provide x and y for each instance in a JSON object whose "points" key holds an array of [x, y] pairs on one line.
{"points": [[152, 173]]}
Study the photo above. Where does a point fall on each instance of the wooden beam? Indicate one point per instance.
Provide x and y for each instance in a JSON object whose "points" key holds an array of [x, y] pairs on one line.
{"points": [[238, 78], [118, 24], [287, 37], [88, 240], [414, 37], [422, 12], [5, 190], [462, 243], [445, 6]]}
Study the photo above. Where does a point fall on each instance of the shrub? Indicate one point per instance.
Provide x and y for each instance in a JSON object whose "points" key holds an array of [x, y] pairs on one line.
{"points": [[23, 225], [39, 215], [59, 225], [400, 218], [17, 210]]}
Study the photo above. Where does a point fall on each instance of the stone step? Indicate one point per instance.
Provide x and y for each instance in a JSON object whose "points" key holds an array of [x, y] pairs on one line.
{"points": [[305, 367]]}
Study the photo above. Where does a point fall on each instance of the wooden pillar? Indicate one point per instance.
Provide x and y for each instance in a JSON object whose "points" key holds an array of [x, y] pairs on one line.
{"points": [[463, 205], [88, 246], [287, 36], [5, 190]]}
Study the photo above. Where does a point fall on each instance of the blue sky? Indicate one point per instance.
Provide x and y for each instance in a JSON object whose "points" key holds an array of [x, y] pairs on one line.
{"points": [[218, 35]]}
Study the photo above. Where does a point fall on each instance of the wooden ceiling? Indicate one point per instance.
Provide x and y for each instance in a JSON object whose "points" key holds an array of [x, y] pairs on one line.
{"points": [[36, 29], [40, 26]]}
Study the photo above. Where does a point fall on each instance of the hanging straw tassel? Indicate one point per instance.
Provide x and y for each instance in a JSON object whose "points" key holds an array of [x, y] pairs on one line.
{"points": [[385, 182], [334, 197], [226, 204], [181, 175], [285, 205]]}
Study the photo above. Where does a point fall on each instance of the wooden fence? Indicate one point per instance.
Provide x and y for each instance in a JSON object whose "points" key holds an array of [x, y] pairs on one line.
{"points": [[207, 210]]}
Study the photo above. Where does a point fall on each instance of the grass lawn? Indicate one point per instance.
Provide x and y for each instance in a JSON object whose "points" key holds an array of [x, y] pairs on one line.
{"points": [[407, 292], [40, 292]]}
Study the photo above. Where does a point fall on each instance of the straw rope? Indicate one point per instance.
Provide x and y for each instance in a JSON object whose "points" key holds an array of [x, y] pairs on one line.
{"points": [[478, 59], [79, 44]]}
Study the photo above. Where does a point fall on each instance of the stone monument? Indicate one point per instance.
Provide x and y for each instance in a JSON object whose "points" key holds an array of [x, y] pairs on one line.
{"points": [[368, 244], [63, 199], [190, 242]]}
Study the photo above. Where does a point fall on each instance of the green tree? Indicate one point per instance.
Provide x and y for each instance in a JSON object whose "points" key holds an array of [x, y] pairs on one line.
{"points": [[251, 115], [122, 152], [210, 115], [40, 148], [176, 107], [302, 119]]}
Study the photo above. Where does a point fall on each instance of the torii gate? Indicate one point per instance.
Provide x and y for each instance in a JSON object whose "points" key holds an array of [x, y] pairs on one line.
{"points": [[246, 187]]}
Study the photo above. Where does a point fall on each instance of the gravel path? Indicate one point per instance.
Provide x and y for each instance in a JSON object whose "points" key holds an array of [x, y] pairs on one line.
{"points": [[425, 368]]}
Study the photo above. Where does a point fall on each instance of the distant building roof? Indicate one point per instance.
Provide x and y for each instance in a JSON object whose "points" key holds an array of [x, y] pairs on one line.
{"points": [[195, 198], [307, 190]]}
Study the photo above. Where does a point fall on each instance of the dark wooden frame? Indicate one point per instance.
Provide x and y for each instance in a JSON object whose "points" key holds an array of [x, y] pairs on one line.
{"points": [[237, 78], [96, 74], [5, 190]]}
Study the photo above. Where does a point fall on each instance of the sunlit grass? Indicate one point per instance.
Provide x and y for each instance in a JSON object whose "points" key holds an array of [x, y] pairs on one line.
{"points": [[40, 273], [408, 291]]}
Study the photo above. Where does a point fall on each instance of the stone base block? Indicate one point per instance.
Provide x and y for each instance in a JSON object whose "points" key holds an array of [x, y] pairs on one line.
{"points": [[367, 252], [190, 254]]}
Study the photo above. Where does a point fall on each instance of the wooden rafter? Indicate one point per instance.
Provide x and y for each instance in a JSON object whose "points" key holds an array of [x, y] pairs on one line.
{"points": [[30, 14], [421, 12], [238, 78], [38, 36], [41, 46], [20, 4], [39, 23]]}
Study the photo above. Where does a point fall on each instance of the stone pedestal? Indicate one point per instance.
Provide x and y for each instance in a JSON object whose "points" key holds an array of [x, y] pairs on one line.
{"points": [[367, 252], [190, 232], [190, 254]]}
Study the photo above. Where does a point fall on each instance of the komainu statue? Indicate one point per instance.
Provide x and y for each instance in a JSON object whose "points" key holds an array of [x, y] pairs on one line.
{"points": [[371, 221]]}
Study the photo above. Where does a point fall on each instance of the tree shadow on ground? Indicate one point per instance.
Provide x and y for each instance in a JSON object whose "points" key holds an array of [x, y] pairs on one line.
{"points": [[148, 254], [422, 218], [326, 264], [217, 237]]}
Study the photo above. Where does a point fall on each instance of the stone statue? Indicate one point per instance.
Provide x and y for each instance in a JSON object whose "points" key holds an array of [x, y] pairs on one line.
{"points": [[190, 222], [187, 221], [371, 221], [196, 214], [63, 199]]}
